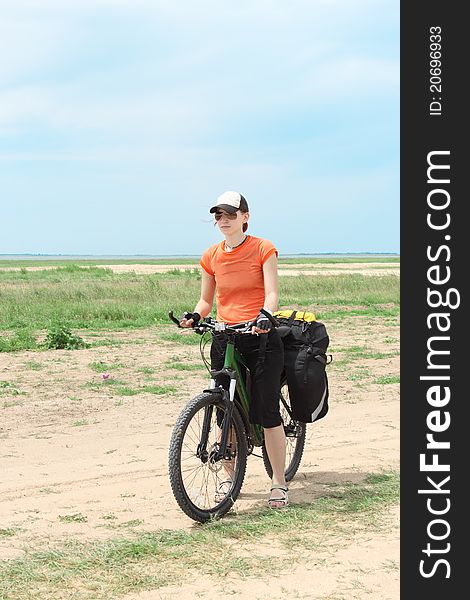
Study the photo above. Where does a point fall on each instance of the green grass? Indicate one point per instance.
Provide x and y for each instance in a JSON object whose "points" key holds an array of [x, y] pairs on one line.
{"points": [[104, 341], [72, 297], [101, 367], [147, 370], [343, 290], [60, 337], [109, 517], [95, 298], [359, 311], [313, 266], [81, 299], [7, 532], [159, 389], [149, 389], [387, 379], [334, 260], [119, 388], [178, 366], [379, 355], [131, 523], [98, 385], [125, 391], [21, 339], [357, 352], [75, 518], [184, 273], [9, 389], [359, 374], [33, 366], [153, 560]]}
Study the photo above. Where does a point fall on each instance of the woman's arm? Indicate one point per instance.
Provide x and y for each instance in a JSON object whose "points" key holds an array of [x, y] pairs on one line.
{"points": [[271, 288], [271, 293], [204, 306]]}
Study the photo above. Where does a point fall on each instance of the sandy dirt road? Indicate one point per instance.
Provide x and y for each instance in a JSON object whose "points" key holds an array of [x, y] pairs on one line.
{"points": [[80, 461]]}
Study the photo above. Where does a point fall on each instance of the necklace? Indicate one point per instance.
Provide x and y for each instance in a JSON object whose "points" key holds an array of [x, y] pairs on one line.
{"points": [[230, 248]]}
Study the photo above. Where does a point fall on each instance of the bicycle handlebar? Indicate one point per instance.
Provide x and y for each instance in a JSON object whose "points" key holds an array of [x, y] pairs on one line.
{"points": [[211, 325]]}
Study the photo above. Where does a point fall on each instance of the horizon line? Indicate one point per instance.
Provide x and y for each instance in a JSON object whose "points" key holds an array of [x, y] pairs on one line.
{"points": [[32, 254]]}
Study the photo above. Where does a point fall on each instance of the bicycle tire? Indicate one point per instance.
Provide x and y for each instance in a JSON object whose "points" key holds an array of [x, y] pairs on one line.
{"points": [[194, 484], [295, 439]]}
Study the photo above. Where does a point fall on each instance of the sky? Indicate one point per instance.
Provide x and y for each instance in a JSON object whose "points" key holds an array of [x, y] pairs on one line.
{"points": [[121, 121]]}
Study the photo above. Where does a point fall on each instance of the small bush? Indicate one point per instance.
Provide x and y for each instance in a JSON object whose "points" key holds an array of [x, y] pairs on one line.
{"points": [[61, 338]]}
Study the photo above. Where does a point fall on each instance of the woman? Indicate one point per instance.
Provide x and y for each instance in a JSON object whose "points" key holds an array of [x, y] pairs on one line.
{"points": [[242, 271]]}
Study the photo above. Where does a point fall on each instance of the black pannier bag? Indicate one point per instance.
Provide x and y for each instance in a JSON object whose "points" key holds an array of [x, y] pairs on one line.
{"points": [[305, 343]]}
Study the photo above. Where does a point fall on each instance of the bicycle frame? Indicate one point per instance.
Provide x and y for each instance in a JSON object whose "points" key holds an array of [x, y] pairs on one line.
{"points": [[237, 393], [232, 361]]}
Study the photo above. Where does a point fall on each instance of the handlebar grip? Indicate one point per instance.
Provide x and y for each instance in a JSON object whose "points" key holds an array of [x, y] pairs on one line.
{"points": [[173, 318]]}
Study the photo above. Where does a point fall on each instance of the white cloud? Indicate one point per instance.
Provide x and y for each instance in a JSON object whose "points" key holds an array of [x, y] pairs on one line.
{"points": [[199, 65]]}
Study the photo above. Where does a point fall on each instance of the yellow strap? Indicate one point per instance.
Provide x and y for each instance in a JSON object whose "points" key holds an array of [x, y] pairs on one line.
{"points": [[300, 316]]}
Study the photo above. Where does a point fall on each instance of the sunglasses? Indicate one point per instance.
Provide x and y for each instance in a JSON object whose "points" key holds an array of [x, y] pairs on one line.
{"points": [[230, 216]]}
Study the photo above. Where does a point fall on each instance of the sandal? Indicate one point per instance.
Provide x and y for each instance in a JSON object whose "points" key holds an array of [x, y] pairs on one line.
{"points": [[222, 490], [283, 500]]}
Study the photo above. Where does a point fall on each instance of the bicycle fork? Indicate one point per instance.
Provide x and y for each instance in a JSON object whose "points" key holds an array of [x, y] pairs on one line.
{"points": [[222, 449]]}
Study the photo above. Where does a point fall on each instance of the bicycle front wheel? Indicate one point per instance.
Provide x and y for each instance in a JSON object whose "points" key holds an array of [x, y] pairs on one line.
{"points": [[295, 437], [205, 486]]}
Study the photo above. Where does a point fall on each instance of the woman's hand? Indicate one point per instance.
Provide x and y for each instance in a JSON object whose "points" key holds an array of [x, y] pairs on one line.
{"points": [[190, 319], [262, 325]]}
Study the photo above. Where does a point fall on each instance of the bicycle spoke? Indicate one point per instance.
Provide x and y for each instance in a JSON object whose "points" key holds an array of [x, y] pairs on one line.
{"points": [[200, 479], [196, 472]]}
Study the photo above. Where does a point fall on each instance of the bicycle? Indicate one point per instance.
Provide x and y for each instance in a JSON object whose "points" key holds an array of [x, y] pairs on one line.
{"points": [[213, 437]]}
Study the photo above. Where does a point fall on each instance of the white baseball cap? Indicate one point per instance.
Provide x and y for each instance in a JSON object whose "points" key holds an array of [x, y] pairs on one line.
{"points": [[230, 202]]}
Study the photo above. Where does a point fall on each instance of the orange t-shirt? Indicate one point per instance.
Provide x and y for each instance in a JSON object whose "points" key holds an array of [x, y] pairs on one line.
{"points": [[238, 277]]}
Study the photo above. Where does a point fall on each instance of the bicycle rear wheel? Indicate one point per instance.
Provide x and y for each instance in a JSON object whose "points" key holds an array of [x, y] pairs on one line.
{"points": [[196, 475], [295, 437]]}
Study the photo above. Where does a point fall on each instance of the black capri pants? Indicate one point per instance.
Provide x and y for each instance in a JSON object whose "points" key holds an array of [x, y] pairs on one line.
{"points": [[265, 369]]}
